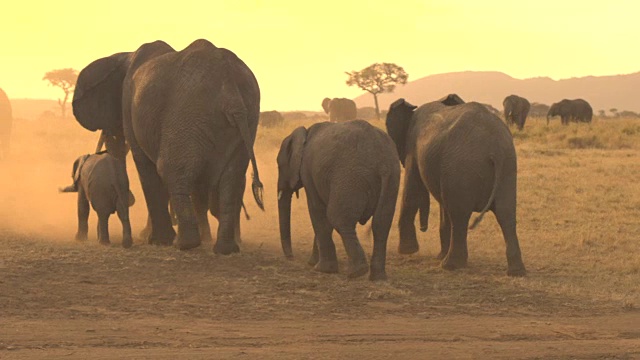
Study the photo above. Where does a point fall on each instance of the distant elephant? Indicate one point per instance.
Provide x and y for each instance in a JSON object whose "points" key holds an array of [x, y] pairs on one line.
{"points": [[516, 109], [464, 157], [102, 183], [340, 109], [350, 173], [6, 123], [538, 110], [270, 119], [190, 118], [577, 110]]}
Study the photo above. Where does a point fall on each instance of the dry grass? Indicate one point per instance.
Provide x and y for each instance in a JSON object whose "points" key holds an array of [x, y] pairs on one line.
{"points": [[578, 217]]}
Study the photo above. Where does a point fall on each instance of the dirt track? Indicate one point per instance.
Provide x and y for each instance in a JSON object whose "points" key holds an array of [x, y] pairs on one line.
{"points": [[82, 301]]}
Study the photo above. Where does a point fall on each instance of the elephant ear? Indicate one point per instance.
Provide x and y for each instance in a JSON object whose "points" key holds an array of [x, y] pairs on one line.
{"points": [[295, 148], [398, 120], [77, 168], [97, 99], [325, 105], [451, 100]]}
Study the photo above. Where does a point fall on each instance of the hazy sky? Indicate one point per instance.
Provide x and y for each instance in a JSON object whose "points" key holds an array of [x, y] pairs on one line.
{"points": [[299, 50]]}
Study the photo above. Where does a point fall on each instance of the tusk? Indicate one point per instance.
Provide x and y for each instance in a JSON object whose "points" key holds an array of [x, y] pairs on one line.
{"points": [[279, 194]]}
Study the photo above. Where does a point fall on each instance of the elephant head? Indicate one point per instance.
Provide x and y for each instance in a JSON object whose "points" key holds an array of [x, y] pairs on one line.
{"points": [[398, 120], [325, 105], [554, 110], [289, 163]]}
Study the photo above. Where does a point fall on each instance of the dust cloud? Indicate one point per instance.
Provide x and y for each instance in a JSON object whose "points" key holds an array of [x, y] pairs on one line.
{"points": [[43, 152]]}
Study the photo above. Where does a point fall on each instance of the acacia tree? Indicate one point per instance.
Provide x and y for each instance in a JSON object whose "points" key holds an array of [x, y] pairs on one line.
{"points": [[378, 78], [65, 79]]}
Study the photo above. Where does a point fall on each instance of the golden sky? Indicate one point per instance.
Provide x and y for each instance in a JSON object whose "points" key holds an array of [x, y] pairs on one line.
{"points": [[299, 50]]}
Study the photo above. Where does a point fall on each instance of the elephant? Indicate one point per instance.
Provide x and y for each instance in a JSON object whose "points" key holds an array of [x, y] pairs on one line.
{"points": [[6, 122], [577, 110], [538, 110], [102, 183], [270, 119], [516, 109], [340, 109], [350, 173], [190, 118], [464, 157]]}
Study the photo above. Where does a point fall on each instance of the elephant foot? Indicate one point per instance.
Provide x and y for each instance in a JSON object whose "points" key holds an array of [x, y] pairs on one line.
{"points": [[161, 238], [313, 259], [423, 228], [358, 270], [104, 242], [327, 266], [226, 248], [187, 244], [127, 242], [408, 247], [452, 263], [441, 255], [377, 275], [81, 236], [517, 270], [207, 238]]}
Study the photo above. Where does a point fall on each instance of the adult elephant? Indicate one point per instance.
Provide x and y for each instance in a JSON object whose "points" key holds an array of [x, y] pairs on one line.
{"points": [[340, 109], [516, 109], [350, 173], [6, 123], [190, 118], [270, 119], [577, 110], [464, 156]]}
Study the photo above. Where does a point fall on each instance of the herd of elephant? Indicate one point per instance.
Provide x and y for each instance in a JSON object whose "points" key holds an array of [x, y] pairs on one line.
{"points": [[190, 119]]}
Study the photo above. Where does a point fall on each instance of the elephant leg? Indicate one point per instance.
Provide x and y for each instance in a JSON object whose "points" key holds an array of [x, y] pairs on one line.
{"points": [[157, 199], [358, 265], [229, 207], [327, 258], [505, 211], [445, 233], [313, 259], [201, 205], [103, 228], [414, 197], [457, 256], [123, 214], [380, 226], [83, 215]]}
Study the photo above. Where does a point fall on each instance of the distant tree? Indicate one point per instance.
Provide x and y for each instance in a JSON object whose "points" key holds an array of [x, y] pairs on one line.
{"points": [[601, 113], [614, 111], [628, 114], [65, 79], [378, 78]]}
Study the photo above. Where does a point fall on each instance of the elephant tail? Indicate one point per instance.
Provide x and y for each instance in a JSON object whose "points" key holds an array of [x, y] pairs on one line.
{"points": [[497, 167]]}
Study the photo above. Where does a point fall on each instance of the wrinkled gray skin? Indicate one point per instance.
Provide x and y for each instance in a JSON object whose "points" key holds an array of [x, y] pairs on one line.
{"points": [[102, 183], [577, 110], [516, 109], [190, 118], [270, 119], [464, 157], [350, 173], [6, 122], [340, 109]]}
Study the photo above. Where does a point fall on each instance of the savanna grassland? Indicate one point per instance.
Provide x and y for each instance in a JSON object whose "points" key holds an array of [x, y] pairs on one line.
{"points": [[578, 224]]}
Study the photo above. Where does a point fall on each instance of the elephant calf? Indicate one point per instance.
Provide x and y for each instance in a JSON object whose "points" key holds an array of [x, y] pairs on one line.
{"points": [[350, 173], [101, 181]]}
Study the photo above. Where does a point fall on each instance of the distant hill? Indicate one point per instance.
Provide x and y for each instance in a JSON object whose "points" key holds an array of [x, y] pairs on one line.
{"points": [[602, 92]]}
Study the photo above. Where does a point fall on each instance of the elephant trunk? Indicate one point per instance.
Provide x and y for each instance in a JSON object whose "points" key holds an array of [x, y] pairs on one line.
{"points": [[547, 119], [284, 214]]}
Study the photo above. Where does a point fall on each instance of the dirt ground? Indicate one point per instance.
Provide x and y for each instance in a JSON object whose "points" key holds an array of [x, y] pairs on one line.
{"points": [[64, 299]]}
